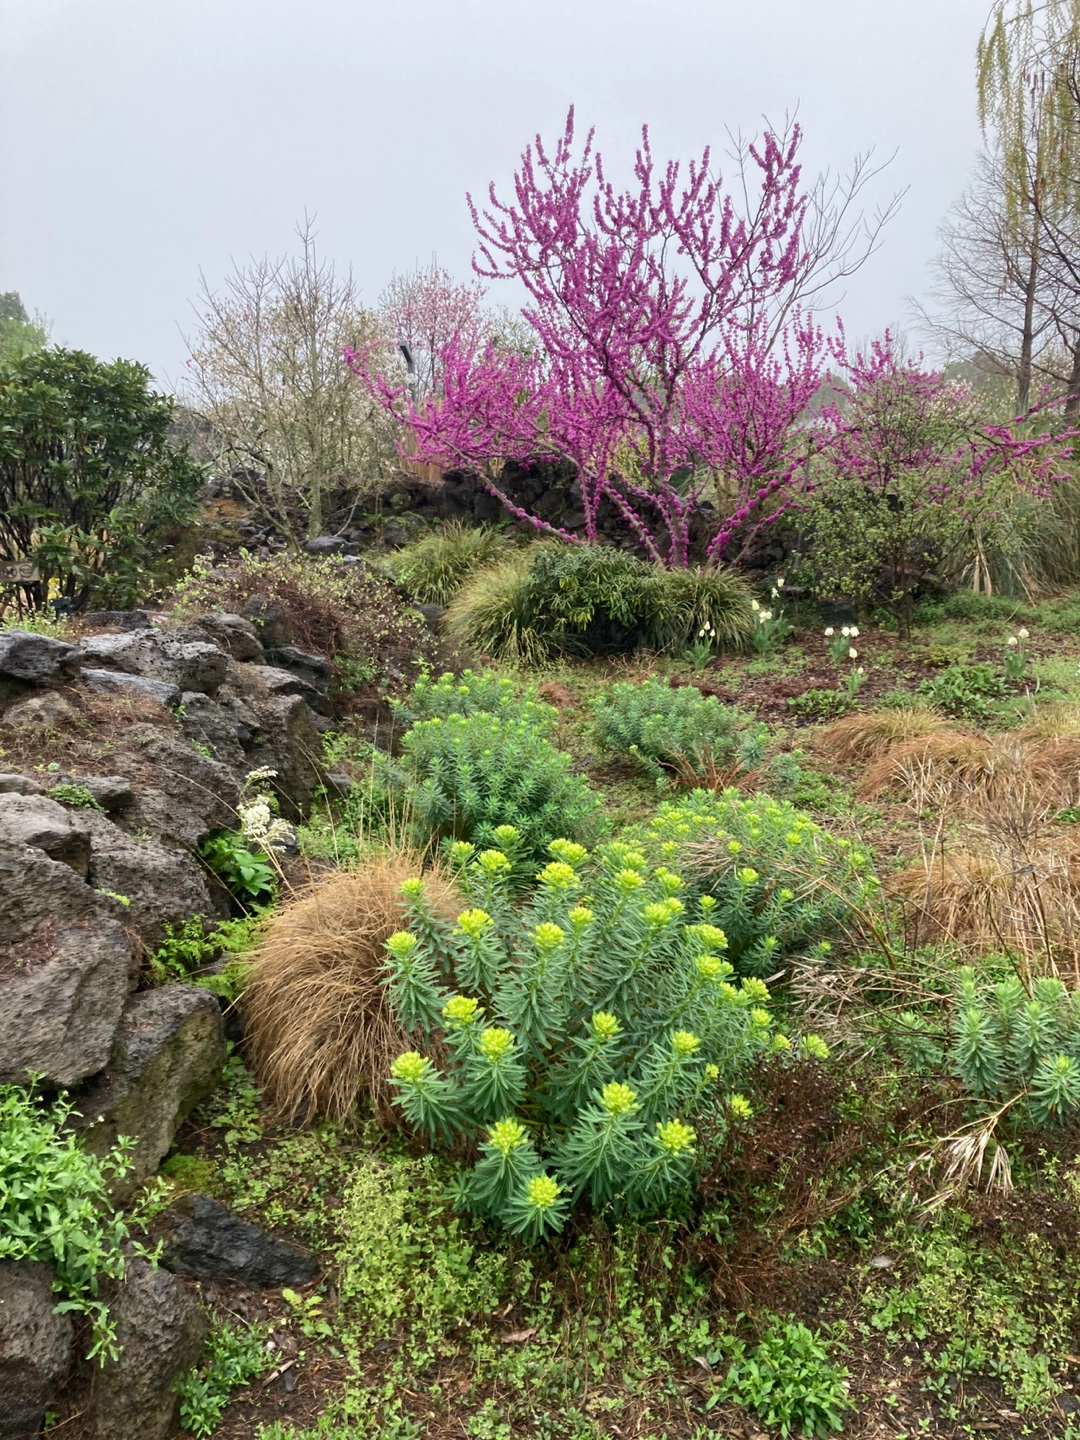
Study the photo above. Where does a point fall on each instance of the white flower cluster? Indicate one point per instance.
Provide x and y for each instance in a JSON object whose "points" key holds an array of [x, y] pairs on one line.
{"points": [[260, 826], [1014, 640]]}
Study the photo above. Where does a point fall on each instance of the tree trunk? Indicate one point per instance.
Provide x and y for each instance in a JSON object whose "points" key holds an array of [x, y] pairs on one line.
{"points": [[1072, 403]]}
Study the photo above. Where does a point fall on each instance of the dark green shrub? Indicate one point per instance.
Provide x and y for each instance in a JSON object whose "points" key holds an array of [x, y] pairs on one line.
{"points": [[788, 1381], [592, 599], [581, 1032], [435, 568], [55, 1208], [91, 482], [785, 887], [463, 777], [679, 733]]}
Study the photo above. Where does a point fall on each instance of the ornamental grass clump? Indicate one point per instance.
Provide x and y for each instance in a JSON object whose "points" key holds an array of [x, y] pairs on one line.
{"points": [[679, 734], [435, 568], [586, 1033], [785, 888]]}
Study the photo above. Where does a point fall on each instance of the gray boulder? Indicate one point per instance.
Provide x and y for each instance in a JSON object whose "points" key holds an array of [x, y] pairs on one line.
{"points": [[167, 1056], [315, 669], [116, 620], [284, 682], [37, 659], [61, 997], [290, 744], [12, 784], [213, 1244], [330, 545], [38, 892], [233, 634], [205, 722], [272, 624], [159, 655], [47, 709], [35, 1348], [36, 820], [163, 884], [112, 792], [187, 795], [161, 1330], [118, 681]]}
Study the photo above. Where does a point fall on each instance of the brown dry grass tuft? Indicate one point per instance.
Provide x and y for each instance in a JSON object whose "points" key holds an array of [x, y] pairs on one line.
{"points": [[869, 734], [315, 1011]]}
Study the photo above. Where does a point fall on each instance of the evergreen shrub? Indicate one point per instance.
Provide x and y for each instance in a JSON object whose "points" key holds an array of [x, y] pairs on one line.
{"points": [[679, 733], [784, 886], [435, 568], [593, 599], [472, 693], [1009, 1041], [582, 1032], [463, 776]]}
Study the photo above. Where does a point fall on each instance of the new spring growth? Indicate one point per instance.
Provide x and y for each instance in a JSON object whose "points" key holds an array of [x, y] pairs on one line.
{"points": [[618, 1099], [708, 937], [740, 1107], [712, 969], [506, 837], [814, 1047], [412, 889], [493, 863], [659, 913], [1016, 655], [755, 989], [684, 1043], [604, 1025], [668, 881], [401, 944], [496, 1044], [542, 1192], [628, 881], [580, 918], [410, 1067], [675, 1137], [460, 853], [559, 876], [461, 1010], [473, 923], [568, 852], [761, 1018], [548, 937], [507, 1135]]}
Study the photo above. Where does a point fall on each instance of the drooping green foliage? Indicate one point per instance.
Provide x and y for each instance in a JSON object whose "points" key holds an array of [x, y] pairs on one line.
{"points": [[1009, 1041], [463, 776], [90, 479], [785, 887], [55, 1208], [583, 1030], [679, 733], [581, 600], [435, 568]]}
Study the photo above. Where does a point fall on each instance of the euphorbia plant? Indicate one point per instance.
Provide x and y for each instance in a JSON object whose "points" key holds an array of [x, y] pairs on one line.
{"points": [[584, 1033]]}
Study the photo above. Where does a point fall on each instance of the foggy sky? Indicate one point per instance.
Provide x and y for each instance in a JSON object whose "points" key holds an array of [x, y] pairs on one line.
{"points": [[142, 140]]}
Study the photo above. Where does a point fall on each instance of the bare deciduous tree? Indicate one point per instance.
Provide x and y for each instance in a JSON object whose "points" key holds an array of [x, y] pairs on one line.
{"points": [[284, 415]]}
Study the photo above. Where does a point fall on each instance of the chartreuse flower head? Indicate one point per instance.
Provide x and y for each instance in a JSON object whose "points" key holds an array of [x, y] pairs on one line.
{"points": [[668, 881], [628, 881], [708, 937], [473, 923], [568, 852], [559, 876], [507, 1135], [493, 863], [410, 1067], [604, 1025], [496, 1043], [748, 877], [740, 1107], [506, 837], [461, 1010], [581, 917], [542, 1192], [662, 912], [460, 853], [684, 1043], [761, 1018], [712, 969], [548, 937], [780, 1042], [618, 1099], [755, 989], [412, 889], [401, 944], [625, 856], [814, 1047], [675, 1137]]}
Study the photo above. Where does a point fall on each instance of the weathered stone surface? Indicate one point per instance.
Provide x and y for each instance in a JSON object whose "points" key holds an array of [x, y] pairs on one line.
{"points": [[291, 745], [213, 1244], [118, 680], [271, 623], [315, 669], [432, 614], [37, 890], [330, 545], [205, 722], [112, 792], [283, 682], [62, 992], [163, 884], [49, 708], [161, 1330], [116, 620], [159, 655], [35, 1348], [36, 820], [233, 634], [189, 796], [37, 659], [167, 1056], [11, 784]]}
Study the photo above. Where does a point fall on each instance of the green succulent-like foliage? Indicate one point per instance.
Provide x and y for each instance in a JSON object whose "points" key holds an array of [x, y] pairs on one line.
{"points": [[463, 776], [584, 1032], [1009, 1041], [471, 693], [679, 733], [785, 887]]}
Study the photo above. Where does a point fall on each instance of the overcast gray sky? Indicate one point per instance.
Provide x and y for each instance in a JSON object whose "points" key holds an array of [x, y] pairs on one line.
{"points": [[142, 140]]}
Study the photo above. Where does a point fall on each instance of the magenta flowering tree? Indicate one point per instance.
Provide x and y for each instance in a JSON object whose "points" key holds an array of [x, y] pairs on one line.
{"points": [[672, 363], [912, 482], [421, 314]]}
